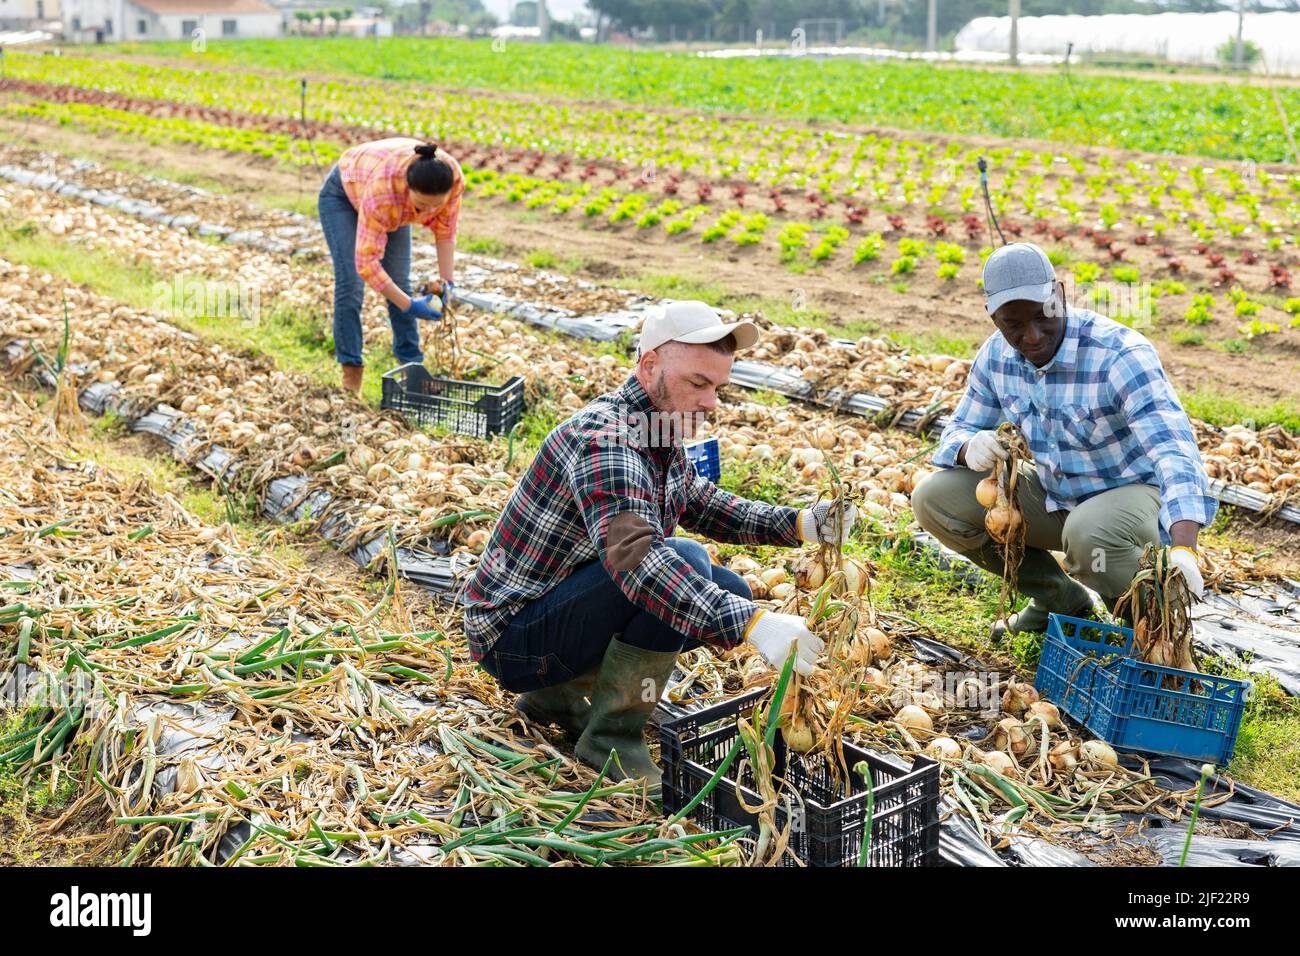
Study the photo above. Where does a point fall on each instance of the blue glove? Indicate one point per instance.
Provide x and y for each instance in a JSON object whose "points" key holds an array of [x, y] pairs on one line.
{"points": [[423, 308], [447, 286]]}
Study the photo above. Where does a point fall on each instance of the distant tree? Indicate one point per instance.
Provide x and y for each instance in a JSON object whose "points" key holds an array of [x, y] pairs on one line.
{"points": [[525, 14], [1226, 53]]}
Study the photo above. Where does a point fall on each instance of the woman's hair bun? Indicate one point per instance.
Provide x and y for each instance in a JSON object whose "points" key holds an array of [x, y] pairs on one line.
{"points": [[427, 150]]}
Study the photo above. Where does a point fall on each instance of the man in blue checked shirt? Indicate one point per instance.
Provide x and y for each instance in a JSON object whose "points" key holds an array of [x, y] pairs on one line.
{"points": [[1115, 467]]}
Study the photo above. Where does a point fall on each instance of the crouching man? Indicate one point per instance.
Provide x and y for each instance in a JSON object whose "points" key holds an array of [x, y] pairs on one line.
{"points": [[1116, 465], [584, 597]]}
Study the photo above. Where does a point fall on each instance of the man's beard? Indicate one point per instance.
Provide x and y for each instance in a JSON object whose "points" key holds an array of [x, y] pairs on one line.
{"points": [[659, 392], [672, 427]]}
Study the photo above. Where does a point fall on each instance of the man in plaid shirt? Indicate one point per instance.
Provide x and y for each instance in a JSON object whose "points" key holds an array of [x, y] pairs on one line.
{"points": [[1116, 465], [584, 598]]}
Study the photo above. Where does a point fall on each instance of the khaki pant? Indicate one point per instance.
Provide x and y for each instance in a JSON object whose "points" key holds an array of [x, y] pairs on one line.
{"points": [[1103, 538]]}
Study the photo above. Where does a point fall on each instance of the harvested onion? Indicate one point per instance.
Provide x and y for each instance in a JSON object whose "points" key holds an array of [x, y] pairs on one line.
{"points": [[809, 573], [913, 718], [1010, 736], [856, 577], [1049, 712], [881, 646], [986, 493], [944, 748], [1098, 754], [1003, 523], [1018, 697], [1064, 756], [999, 762]]}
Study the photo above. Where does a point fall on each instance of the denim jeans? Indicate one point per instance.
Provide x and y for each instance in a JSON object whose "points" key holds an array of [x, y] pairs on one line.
{"points": [[338, 220], [564, 632]]}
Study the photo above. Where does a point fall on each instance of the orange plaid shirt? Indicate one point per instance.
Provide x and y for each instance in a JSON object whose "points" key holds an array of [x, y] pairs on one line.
{"points": [[374, 178]]}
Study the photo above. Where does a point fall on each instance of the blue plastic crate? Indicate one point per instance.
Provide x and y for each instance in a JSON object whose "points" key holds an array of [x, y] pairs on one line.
{"points": [[705, 456], [1086, 670]]}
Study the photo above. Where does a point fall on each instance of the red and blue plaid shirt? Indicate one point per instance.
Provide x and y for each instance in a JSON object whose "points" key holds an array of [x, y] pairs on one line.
{"points": [[558, 517]]}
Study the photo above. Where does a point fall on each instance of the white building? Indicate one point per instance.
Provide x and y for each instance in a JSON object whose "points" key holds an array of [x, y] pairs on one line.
{"points": [[109, 21], [26, 13]]}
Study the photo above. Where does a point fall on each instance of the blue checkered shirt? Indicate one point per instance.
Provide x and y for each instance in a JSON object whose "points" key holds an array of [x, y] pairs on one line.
{"points": [[1101, 415]]}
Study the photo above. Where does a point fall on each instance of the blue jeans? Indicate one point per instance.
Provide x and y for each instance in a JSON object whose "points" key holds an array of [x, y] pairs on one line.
{"points": [[338, 219], [564, 632]]}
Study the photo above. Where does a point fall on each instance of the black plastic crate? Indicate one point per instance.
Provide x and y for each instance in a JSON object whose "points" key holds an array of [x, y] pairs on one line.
{"points": [[468, 408], [905, 818]]}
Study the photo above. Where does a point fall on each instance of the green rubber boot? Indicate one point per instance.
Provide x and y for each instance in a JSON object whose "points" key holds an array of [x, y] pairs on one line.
{"points": [[629, 684], [1047, 585], [567, 705]]}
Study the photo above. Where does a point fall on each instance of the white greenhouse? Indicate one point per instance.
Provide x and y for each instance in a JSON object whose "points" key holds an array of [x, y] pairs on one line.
{"points": [[1178, 37]]}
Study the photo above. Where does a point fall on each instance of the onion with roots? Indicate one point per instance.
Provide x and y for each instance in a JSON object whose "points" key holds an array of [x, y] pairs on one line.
{"points": [[986, 493], [1003, 523], [1098, 755]]}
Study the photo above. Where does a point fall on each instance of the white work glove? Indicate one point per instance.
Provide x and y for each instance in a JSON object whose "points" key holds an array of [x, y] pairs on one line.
{"points": [[772, 634], [816, 525], [982, 450], [1184, 559]]}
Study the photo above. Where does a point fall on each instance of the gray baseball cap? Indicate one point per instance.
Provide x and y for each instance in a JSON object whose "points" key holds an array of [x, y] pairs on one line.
{"points": [[1019, 270]]}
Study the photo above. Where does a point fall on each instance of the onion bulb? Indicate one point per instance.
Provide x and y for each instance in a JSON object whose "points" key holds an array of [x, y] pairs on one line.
{"points": [[1010, 736], [874, 678], [772, 577], [795, 729], [1002, 523], [1064, 757], [1049, 711], [856, 577], [809, 573], [302, 456], [914, 718], [756, 586], [999, 762], [944, 748], [881, 646], [1098, 754], [798, 735], [1018, 697], [986, 493], [477, 540]]}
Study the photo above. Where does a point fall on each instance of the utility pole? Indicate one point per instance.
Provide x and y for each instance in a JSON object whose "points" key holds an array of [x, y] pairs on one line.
{"points": [[543, 22], [1015, 33], [1239, 52], [932, 26]]}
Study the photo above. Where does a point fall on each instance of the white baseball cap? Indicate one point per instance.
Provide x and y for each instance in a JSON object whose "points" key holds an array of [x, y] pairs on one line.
{"points": [[692, 322]]}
